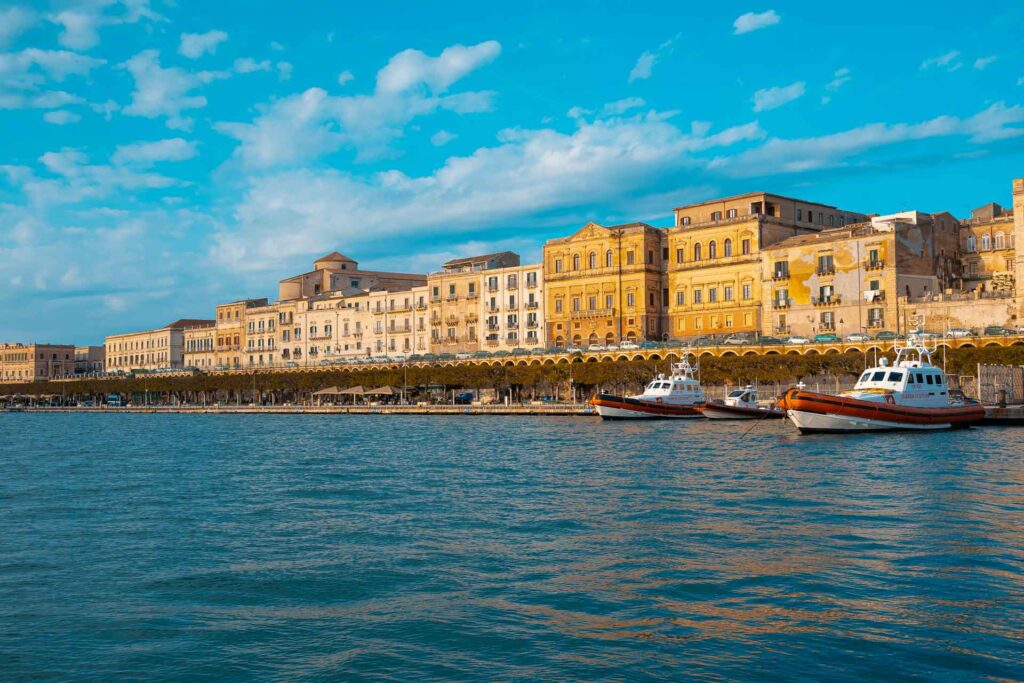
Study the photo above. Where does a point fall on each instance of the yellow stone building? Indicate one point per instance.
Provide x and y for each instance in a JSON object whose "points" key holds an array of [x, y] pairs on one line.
{"points": [[200, 342], [988, 247], [159, 349], [454, 306], [604, 285], [854, 279], [22, 363], [714, 283], [230, 340], [512, 307]]}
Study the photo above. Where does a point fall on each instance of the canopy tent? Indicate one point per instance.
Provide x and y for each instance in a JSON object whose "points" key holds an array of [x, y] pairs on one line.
{"points": [[352, 391], [329, 391], [384, 391]]}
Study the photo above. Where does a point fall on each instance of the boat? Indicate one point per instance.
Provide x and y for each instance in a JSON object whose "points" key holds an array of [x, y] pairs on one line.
{"points": [[910, 394], [673, 397], [742, 404]]}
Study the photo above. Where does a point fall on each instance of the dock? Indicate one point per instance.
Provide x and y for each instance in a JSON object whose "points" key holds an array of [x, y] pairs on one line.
{"points": [[558, 409]]}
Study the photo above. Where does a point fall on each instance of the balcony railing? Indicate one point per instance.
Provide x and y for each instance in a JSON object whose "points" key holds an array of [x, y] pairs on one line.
{"points": [[493, 309], [827, 327], [782, 303], [531, 284], [532, 340], [491, 342], [874, 265], [826, 271], [593, 313], [492, 328], [780, 275], [531, 324], [421, 306], [831, 300], [512, 285], [873, 324], [532, 305]]}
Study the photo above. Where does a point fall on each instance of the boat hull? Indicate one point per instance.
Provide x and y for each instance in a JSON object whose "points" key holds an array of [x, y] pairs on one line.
{"points": [[813, 412], [611, 407], [720, 411]]}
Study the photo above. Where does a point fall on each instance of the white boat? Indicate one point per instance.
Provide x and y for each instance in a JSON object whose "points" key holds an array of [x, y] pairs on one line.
{"points": [[741, 404], [910, 394], [678, 395]]}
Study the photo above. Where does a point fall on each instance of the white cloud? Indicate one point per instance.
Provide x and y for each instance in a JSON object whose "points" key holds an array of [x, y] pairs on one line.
{"points": [[753, 21], [106, 109], [622, 106], [982, 62], [839, 78], [82, 21], [284, 71], [161, 92], [144, 154], [246, 65], [644, 66], [528, 173], [61, 117], [777, 155], [947, 61], [13, 22], [46, 100], [313, 123], [195, 45], [276, 46], [773, 98], [442, 138], [25, 74], [344, 77]]}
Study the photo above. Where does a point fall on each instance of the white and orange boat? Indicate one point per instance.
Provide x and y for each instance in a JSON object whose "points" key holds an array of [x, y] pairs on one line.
{"points": [[677, 396], [910, 394], [742, 404]]}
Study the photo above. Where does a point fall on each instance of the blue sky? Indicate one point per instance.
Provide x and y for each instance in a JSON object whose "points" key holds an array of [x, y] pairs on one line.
{"points": [[159, 157]]}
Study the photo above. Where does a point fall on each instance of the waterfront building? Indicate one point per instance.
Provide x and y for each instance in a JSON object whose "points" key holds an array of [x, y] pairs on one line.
{"points": [[21, 363], [854, 278], [230, 332], [604, 284], [200, 346], [714, 254], [261, 346], [159, 349], [90, 359], [454, 307], [988, 247], [336, 272], [512, 307], [1018, 238]]}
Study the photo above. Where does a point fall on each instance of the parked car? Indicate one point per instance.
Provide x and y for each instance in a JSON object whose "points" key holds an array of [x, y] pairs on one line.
{"points": [[770, 341], [463, 355], [885, 335], [925, 334], [572, 348], [415, 357], [539, 352], [481, 354], [445, 356], [629, 345], [464, 399], [736, 340], [798, 340], [858, 337], [612, 347], [597, 347], [997, 331], [826, 338], [518, 351], [501, 353], [648, 345], [954, 333]]}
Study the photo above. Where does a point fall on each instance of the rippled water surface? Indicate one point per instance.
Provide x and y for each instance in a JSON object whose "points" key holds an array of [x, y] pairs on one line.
{"points": [[438, 548]]}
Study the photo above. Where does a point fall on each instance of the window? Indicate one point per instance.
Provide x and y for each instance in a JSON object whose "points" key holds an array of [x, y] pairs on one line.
{"points": [[680, 298], [727, 293], [679, 255], [608, 258], [650, 256], [650, 299], [826, 265], [696, 252], [895, 377], [746, 292], [716, 215], [631, 299], [1000, 240], [799, 214], [698, 296], [986, 242], [558, 305], [558, 269], [970, 243], [629, 257], [592, 303], [712, 295], [575, 303], [732, 213], [608, 301], [664, 253], [712, 250], [745, 247], [831, 220], [575, 261], [727, 247], [592, 260]]}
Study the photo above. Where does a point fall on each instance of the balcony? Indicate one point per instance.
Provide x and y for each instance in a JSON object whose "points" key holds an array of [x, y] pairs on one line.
{"points": [[532, 305], [781, 303], [491, 342], [512, 286], [471, 317], [826, 271], [319, 335], [491, 289], [592, 313], [452, 297], [493, 309], [452, 320], [435, 321], [827, 327], [531, 284], [532, 340], [472, 295], [531, 324], [874, 265], [832, 300], [780, 275], [435, 298], [421, 306], [876, 324], [492, 328]]}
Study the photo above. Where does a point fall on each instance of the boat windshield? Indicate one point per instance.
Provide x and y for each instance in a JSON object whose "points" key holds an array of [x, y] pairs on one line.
{"points": [[737, 394]]}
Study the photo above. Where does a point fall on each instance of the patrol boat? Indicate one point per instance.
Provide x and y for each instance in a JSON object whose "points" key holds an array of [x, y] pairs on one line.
{"points": [[910, 394], [676, 396], [742, 404]]}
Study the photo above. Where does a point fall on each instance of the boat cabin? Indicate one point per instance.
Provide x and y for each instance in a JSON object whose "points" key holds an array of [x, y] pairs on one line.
{"points": [[912, 378]]}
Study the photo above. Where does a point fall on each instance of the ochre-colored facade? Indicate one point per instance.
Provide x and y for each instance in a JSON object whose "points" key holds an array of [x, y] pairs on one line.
{"points": [[988, 246], [159, 349], [199, 342], [604, 285], [20, 363], [715, 250]]}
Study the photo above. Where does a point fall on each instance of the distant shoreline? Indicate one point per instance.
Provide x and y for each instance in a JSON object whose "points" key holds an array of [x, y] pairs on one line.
{"points": [[566, 409]]}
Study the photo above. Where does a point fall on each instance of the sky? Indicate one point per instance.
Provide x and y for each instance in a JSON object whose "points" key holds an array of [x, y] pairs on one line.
{"points": [[160, 157]]}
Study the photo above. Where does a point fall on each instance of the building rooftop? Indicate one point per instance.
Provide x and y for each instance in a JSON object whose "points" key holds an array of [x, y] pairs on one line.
{"points": [[746, 195], [831, 235], [456, 262], [335, 256]]}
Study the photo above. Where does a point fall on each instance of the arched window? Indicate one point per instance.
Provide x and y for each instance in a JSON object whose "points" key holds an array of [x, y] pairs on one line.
{"points": [[575, 261], [1000, 240], [986, 242], [608, 259], [712, 249], [727, 247], [592, 260], [696, 252], [970, 243]]}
